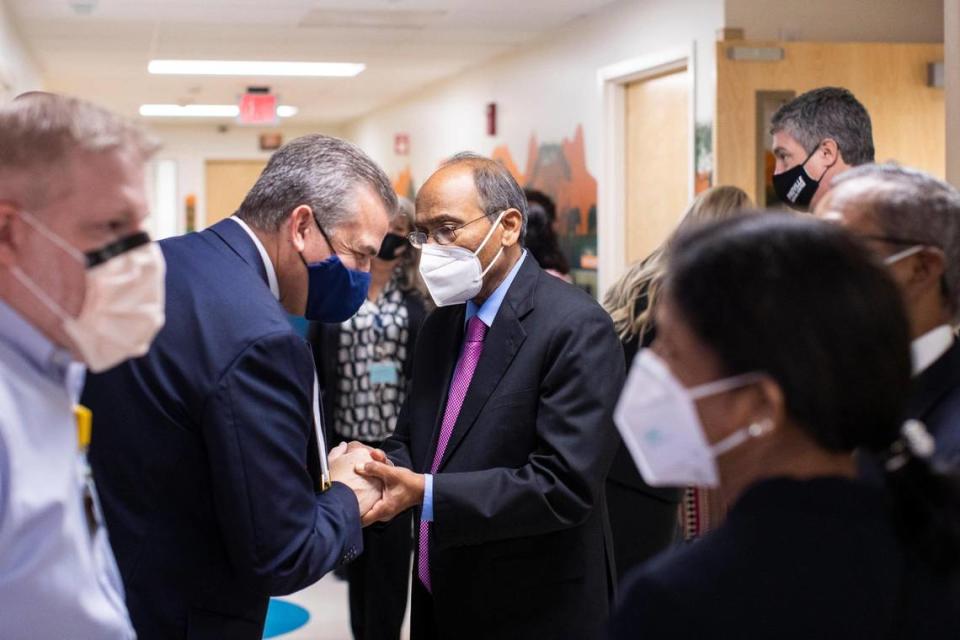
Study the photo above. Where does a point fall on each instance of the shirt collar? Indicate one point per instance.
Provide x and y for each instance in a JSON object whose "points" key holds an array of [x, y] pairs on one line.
{"points": [[487, 312], [926, 349], [51, 361], [267, 264]]}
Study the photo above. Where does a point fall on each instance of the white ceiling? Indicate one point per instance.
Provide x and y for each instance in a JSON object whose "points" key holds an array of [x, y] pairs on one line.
{"points": [[406, 44]]}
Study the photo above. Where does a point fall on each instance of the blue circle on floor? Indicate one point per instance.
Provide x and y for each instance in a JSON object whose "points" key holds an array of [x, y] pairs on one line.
{"points": [[284, 617]]}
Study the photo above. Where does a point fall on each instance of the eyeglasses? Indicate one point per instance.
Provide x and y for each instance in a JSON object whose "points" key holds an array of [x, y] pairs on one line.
{"points": [[442, 235]]}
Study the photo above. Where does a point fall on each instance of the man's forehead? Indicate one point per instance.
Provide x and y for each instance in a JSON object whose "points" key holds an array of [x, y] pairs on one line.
{"points": [[784, 141], [449, 190]]}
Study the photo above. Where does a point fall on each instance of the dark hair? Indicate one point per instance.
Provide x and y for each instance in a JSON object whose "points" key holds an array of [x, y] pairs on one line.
{"points": [[535, 197], [319, 171], [541, 239], [496, 186], [828, 112], [807, 304]]}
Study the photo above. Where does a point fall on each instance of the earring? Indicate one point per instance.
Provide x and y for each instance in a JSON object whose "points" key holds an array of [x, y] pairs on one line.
{"points": [[761, 428]]}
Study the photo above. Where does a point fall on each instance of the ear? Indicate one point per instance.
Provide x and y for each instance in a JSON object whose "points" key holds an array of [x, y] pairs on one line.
{"points": [[512, 222], [301, 223], [771, 403], [9, 236], [829, 150], [927, 269]]}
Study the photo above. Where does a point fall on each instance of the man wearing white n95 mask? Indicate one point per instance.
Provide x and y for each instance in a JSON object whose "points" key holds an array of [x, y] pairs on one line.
{"points": [[506, 437], [80, 284]]}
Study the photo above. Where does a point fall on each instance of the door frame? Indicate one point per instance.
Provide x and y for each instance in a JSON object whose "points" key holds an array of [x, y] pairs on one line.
{"points": [[611, 183]]}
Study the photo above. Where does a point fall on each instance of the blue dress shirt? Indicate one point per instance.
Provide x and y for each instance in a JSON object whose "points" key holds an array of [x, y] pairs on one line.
{"points": [[58, 576], [487, 312]]}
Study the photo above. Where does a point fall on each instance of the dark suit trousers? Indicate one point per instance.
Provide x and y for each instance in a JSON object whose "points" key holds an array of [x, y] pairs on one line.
{"points": [[378, 581], [423, 621]]}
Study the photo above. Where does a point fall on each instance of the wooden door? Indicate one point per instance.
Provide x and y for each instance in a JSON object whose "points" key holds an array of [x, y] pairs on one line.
{"points": [[658, 154], [890, 79], [227, 184]]}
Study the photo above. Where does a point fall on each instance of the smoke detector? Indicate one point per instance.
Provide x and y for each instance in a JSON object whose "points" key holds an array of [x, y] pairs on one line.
{"points": [[83, 7]]}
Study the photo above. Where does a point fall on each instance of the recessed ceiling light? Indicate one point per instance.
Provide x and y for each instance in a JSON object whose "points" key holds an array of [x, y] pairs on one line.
{"points": [[204, 110], [255, 68]]}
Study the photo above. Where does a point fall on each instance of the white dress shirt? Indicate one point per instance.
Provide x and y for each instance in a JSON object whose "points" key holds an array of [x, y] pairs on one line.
{"points": [[928, 348], [58, 576]]}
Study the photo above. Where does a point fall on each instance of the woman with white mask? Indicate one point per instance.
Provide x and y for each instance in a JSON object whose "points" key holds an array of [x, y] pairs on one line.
{"points": [[783, 348]]}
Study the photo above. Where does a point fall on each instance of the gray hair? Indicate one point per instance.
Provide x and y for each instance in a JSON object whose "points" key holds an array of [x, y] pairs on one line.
{"points": [[910, 205], [828, 112], [321, 172], [496, 186], [40, 132]]}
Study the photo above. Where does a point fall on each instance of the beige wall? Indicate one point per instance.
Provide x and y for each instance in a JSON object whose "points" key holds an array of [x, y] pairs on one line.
{"points": [[18, 70], [838, 20]]}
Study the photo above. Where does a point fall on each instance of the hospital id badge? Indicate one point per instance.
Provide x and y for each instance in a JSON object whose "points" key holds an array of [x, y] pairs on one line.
{"points": [[384, 372]]}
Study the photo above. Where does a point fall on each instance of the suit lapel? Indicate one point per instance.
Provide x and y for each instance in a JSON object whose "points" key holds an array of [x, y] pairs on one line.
{"points": [[502, 343], [447, 348], [934, 383]]}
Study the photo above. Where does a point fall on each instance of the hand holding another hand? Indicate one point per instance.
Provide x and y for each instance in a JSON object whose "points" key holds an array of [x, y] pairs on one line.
{"points": [[343, 464], [402, 489]]}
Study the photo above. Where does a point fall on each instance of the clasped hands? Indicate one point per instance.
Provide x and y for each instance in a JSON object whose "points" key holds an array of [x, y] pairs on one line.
{"points": [[382, 489]]}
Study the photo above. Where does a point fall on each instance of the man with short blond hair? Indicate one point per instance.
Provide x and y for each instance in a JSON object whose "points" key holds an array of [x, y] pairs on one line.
{"points": [[81, 287]]}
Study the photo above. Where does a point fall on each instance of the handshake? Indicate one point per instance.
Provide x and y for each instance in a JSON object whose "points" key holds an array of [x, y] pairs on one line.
{"points": [[382, 490]]}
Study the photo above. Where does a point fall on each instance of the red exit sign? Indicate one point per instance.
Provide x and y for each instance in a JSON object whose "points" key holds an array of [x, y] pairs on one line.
{"points": [[258, 108]]}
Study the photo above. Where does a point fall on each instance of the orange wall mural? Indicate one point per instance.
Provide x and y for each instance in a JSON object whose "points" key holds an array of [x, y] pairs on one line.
{"points": [[558, 169], [403, 184]]}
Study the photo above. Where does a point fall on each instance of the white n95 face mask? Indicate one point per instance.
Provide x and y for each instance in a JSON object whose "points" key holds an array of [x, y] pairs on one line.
{"points": [[453, 274], [124, 299], [658, 420]]}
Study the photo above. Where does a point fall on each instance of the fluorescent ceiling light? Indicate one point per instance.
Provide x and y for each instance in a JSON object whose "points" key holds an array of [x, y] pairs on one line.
{"points": [[255, 68], [204, 110]]}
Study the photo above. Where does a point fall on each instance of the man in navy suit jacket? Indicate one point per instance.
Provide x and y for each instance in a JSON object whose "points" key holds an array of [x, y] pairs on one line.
{"points": [[206, 450], [912, 221]]}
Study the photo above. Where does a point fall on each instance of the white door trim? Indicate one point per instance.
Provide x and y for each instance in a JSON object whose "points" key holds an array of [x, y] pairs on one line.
{"points": [[611, 183]]}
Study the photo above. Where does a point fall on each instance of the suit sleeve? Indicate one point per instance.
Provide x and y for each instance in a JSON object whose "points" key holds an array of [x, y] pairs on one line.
{"points": [[397, 446], [563, 478], [256, 425]]}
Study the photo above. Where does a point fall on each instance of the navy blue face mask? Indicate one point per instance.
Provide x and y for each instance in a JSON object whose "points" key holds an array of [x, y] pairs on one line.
{"points": [[334, 292]]}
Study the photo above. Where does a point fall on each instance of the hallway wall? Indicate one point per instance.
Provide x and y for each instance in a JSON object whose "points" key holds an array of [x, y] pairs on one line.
{"points": [[18, 71], [549, 105]]}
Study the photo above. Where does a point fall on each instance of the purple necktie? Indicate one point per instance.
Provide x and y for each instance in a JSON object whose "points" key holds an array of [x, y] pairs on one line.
{"points": [[472, 348]]}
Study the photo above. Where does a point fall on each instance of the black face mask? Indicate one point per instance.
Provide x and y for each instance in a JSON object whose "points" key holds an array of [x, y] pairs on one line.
{"points": [[795, 187], [391, 246]]}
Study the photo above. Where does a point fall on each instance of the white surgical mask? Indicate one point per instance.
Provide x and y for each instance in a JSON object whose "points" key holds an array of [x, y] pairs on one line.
{"points": [[900, 255], [123, 304], [658, 420], [453, 274]]}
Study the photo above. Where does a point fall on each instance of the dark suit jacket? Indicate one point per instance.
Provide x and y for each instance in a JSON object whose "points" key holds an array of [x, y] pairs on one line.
{"points": [[793, 560], [936, 402], [205, 455], [520, 542]]}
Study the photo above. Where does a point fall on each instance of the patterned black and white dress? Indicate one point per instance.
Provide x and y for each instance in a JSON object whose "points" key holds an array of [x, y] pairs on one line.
{"points": [[374, 340]]}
